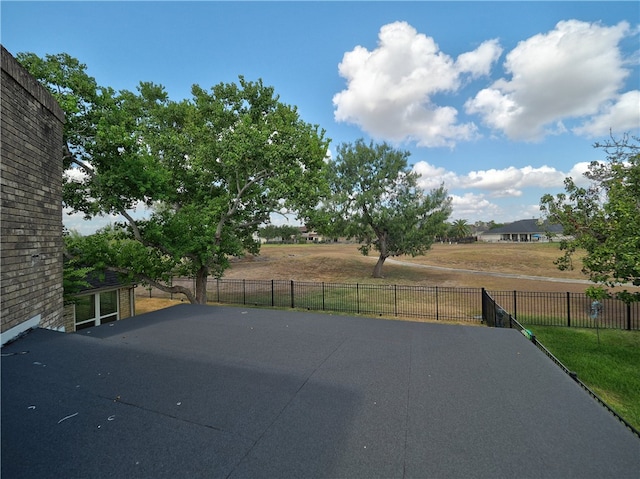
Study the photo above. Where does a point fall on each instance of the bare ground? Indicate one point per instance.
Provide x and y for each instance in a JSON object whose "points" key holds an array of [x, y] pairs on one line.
{"points": [[454, 265]]}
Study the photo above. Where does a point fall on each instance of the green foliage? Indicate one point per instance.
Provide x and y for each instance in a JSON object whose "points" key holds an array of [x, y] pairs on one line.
{"points": [[74, 281], [375, 199], [210, 169], [286, 233], [459, 229], [74, 277], [493, 225], [603, 219]]}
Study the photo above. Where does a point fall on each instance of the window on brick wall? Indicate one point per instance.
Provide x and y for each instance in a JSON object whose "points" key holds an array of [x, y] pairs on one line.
{"points": [[96, 309]]}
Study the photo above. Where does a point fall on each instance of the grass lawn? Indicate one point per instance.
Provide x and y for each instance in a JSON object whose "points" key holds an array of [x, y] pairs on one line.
{"points": [[611, 369]]}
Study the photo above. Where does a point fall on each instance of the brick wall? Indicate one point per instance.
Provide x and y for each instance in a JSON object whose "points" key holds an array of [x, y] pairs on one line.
{"points": [[127, 302], [31, 194], [69, 317]]}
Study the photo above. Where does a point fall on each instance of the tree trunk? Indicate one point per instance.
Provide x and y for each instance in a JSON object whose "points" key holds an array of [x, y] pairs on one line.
{"points": [[201, 285], [377, 271], [383, 237]]}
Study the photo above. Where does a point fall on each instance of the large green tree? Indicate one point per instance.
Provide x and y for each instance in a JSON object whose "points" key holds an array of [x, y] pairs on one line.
{"points": [[603, 219], [375, 199], [209, 170]]}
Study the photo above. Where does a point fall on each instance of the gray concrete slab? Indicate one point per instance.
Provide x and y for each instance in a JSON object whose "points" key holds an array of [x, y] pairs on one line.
{"points": [[202, 391]]}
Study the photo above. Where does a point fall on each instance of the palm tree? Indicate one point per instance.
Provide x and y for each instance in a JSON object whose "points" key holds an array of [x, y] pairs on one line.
{"points": [[460, 229]]}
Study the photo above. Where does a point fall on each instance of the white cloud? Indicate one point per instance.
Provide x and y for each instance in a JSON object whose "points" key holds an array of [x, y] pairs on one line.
{"points": [[75, 174], [495, 180], [390, 89], [577, 173], [573, 71], [284, 220], [476, 207], [478, 62], [76, 222], [432, 176], [490, 194], [618, 116], [506, 193], [473, 207], [529, 211], [544, 176], [507, 182]]}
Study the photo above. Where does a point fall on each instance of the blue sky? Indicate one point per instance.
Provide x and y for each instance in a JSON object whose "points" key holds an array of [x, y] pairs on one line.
{"points": [[498, 100]]}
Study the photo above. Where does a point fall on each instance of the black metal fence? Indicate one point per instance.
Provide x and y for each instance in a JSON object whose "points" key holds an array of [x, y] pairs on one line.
{"points": [[422, 302], [568, 309], [436, 303]]}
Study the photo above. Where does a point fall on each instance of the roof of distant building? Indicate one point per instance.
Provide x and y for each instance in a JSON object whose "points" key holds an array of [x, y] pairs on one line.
{"points": [[531, 226], [103, 280]]}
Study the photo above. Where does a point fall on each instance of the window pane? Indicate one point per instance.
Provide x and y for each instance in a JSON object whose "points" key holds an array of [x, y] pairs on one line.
{"points": [[108, 303], [88, 324], [108, 319], [85, 308]]}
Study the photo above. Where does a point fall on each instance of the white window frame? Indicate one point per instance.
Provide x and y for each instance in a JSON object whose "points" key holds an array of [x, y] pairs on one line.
{"points": [[99, 318]]}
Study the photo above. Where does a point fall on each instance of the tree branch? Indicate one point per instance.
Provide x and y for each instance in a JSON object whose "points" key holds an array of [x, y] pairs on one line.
{"points": [[156, 284], [236, 202], [133, 224], [73, 159]]}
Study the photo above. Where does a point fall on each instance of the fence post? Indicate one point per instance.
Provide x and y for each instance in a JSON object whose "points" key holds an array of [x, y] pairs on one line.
{"points": [[292, 301], [568, 309], [358, 298], [273, 303], [323, 296], [218, 288], [244, 292], [484, 309], [395, 299], [628, 316], [515, 304], [437, 306]]}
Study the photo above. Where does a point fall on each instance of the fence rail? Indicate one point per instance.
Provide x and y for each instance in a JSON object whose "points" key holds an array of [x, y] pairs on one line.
{"points": [[379, 300], [567, 309], [419, 302]]}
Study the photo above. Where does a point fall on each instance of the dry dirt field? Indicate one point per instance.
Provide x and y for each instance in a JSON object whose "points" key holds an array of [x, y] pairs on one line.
{"points": [[481, 262]]}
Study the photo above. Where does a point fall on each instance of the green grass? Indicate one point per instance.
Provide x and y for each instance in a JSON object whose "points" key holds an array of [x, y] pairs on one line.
{"points": [[611, 368]]}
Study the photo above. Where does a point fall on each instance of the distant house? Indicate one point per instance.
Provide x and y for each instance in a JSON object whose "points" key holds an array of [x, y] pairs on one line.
{"points": [[310, 236], [106, 299], [523, 231]]}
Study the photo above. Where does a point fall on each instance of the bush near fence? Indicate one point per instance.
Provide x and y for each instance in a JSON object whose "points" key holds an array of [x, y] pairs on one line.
{"points": [[415, 302]]}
